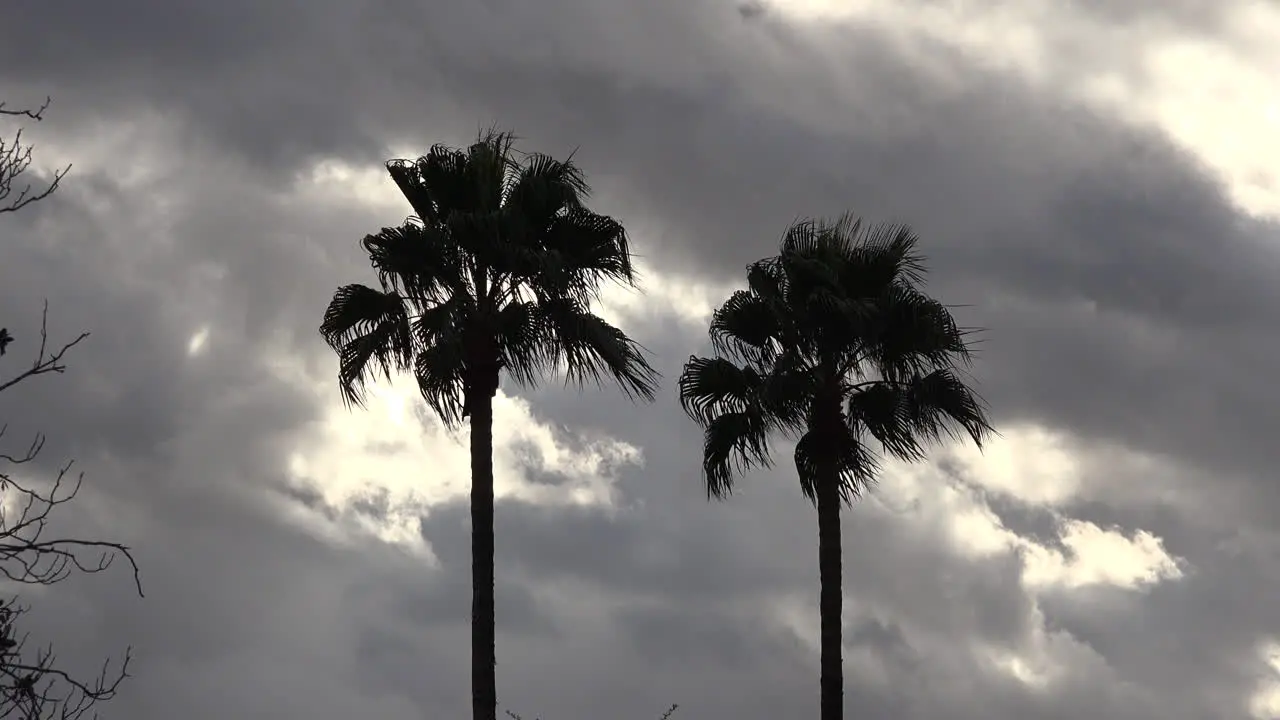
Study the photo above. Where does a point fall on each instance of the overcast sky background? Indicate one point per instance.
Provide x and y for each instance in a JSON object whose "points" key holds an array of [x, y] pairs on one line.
{"points": [[1098, 180]]}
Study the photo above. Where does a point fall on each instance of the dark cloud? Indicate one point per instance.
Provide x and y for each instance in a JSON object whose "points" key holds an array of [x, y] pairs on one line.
{"points": [[1129, 306]]}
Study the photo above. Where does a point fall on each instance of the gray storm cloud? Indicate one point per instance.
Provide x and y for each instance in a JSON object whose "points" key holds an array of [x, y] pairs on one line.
{"points": [[1129, 305]]}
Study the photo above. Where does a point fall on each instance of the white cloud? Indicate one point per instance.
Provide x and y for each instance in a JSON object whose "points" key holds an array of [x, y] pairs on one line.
{"points": [[1030, 464], [1265, 702], [1032, 467], [1217, 98], [1034, 672], [368, 186], [396, 452], [663, 298], [1211, 90], [1097, 556]]}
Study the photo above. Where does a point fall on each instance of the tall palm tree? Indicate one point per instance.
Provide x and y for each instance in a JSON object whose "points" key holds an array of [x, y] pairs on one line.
{"points": [[833, 344], [495, 274]]}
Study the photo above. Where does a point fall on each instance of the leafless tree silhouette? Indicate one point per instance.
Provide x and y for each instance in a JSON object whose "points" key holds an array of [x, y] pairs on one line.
{"points": [[33, 686], [15, 158]]}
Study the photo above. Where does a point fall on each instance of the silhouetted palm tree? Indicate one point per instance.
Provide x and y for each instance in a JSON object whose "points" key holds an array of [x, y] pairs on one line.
{"points": [[495, 274], [833, 344]]}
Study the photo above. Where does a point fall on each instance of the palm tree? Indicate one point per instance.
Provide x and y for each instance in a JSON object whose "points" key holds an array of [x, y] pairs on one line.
{"points": [[834, 345], [495, 274]]}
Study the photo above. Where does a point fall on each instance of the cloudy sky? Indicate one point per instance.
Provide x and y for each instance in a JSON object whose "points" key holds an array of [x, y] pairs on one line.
{"points": [[1098, 180]]}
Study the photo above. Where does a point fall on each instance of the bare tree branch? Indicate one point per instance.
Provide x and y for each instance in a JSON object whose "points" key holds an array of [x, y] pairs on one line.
{"points": [[32, 685], [45, 362], [26, 556], [15, 158], [37, 114], [35, 689]]}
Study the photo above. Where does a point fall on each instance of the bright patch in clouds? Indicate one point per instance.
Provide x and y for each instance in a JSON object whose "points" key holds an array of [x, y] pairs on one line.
{"points": [[1097, 556], [1046, 659], [1216, 97], [197, 341], [1031, 467], [363, 185], [662, 298], [1265, 703], [1021, 668], [147, 140], [1028, 463], [1211, 90], [395, 457]]}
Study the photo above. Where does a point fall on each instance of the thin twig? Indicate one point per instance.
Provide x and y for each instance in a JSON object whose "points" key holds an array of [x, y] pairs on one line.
{"points": [[44, 363], [15, 159]]}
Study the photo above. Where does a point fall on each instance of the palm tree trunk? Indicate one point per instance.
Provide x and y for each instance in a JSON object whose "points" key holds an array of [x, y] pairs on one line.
{"points": [[830, 598], [484, 691]]}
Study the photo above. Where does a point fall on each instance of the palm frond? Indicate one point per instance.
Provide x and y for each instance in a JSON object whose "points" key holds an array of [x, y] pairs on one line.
{"points": [[802, 237], [788, 392], [444, 175], [538, 192], [363, 324], [904, 416], [489, 164], [747, 327], [942, 404], [570, 257], [480, 238], [592, 348], [709, 387], [591, 248], [405, 175], [855, 465], [444, 318], [448, 181], [544, 187], [766, 281], [887, 254], [915, 335], [732, 443], [418, 261], [525, 347], [884, 410], [440, 370], [429, 182], [809, 273]]}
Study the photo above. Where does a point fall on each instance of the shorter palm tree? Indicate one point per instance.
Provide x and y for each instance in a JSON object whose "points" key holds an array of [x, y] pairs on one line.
{"points": [[833, 344]]}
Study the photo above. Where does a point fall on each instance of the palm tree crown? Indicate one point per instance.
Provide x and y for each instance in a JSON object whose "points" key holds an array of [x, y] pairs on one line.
{"points": [[832, 343], [495, 273]]}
